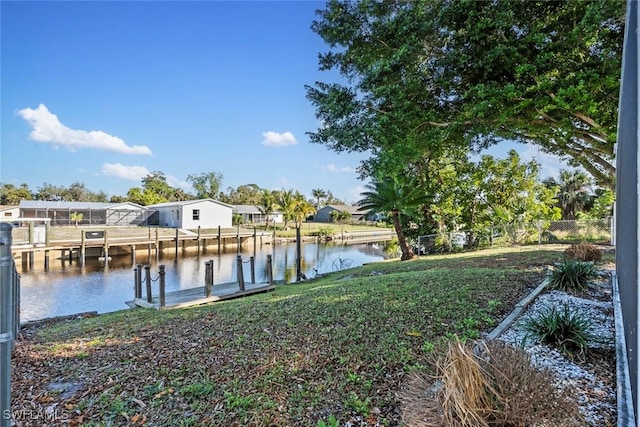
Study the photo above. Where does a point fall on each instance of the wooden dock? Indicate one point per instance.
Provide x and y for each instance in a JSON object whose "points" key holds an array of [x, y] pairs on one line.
{"points": [[196, 296]]}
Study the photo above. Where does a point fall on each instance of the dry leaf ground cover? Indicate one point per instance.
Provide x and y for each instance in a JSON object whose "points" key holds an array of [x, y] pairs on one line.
{"points": [[335, 348]]}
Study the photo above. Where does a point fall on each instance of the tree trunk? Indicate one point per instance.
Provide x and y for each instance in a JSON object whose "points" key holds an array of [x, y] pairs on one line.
{"points": [[407, 252]]}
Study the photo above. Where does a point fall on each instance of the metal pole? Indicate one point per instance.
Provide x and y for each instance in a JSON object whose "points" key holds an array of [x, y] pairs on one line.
{"points": [[6, 325]]}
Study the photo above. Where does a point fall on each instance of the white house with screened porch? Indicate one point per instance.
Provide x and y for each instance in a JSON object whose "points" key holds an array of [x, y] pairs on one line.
{"points": [[191, 214]]}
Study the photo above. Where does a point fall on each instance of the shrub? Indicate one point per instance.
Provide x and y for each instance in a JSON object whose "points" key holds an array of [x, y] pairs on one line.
{"points": [[565, 329], [491, 384], [583, 252], [572, 276]]}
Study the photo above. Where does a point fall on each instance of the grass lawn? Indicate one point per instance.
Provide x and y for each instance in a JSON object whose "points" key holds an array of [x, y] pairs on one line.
{"points": [[338, 347]]}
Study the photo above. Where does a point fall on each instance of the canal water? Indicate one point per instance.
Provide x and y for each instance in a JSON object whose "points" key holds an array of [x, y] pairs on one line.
{"points": [[70, 288]]}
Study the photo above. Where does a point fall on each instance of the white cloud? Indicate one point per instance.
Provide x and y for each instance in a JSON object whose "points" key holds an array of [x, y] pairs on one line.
{"points": [[355, 193], [47, 128], [131, 173], [333, 168], [550, 164], [177, 183], [275, 139]]}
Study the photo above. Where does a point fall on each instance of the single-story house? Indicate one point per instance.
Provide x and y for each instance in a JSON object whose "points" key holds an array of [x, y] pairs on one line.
{"points": [[9, 213], [191, 214], [93, 213], [324, 214], [252, 214]]}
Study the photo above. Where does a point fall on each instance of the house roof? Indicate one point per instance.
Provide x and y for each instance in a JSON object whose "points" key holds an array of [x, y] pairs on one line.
{"points": [[45, 204], [188, 202]]}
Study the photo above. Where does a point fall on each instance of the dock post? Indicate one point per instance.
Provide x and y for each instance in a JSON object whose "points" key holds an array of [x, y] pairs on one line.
{"points": [[138, 281], [162, 296], [6, 323], [298, 256], [46, 260], [219, 236], [253, 269], [208, 278], [238, 239], [255, 240], [133, 254], [147, 278], [82, 248], [106, 248], [240, 274], [198, 249], [31, 258], [157, 244], [177, 231], [46, 233], [270, 269]]}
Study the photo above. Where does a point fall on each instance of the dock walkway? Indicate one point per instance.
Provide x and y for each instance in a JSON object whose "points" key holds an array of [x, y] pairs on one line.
{"points": [[196, 296]]}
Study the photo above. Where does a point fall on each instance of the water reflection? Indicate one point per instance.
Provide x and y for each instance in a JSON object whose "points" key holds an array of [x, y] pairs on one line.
{"points": [[70, 287]]}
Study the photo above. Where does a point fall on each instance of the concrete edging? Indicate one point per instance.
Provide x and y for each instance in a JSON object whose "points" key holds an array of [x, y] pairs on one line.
{"points": [[626, 413], [517, 311]]}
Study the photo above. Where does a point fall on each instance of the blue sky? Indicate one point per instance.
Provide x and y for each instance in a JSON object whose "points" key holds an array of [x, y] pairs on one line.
{"points": [[106, 92]]}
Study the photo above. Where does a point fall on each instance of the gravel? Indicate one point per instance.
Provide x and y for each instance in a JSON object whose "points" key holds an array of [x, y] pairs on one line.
{"points": [[594, 377]]}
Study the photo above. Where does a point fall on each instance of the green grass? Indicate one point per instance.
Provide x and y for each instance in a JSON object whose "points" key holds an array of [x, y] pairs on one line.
{"points": [[303, 355]]}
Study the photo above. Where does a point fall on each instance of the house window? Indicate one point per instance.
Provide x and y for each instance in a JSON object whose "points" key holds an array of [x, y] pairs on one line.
{"points": [[196, 214], [7, 214]]}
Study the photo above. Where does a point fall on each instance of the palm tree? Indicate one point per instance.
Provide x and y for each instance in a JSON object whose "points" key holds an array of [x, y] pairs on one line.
{"points": [[573, 192], [287, 202], [318, 194], [302, 210], [268, 204], [395, 198]]}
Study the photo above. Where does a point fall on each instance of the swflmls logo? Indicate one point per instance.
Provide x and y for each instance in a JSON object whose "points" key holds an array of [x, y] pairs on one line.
{"points": [[6, 414]]}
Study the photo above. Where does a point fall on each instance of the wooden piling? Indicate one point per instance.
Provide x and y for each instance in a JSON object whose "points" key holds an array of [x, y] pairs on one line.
{"points": [[83, 249], [253, 269], [137, 280], [147, 278], [198, 242], [158, 247], [177, 231], [106, 247], [46, 260], [240, 273], [133, 254], [270, 269], [162, 284]]}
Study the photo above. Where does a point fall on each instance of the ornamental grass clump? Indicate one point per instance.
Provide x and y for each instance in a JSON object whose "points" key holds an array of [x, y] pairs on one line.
{"points": [[566, 329], [487, 384], [583, 252], [572, 276]]}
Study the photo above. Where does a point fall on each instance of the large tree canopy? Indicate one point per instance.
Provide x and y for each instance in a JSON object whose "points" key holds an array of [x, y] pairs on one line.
{"points": [[426, 74]]}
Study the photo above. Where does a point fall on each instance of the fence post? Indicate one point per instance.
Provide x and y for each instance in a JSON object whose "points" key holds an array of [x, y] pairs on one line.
{"points": [[147, 278], [6, 326], [253, 269], [240, 274], [162, 295], [269, 269]]}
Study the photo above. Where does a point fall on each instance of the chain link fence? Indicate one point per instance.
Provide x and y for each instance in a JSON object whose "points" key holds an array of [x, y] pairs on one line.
{"points": [[566, 231]]}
